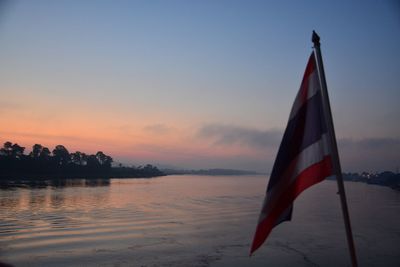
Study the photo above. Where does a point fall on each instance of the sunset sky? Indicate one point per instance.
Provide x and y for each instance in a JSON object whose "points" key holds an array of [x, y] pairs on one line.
{"points": [[197, 84]]}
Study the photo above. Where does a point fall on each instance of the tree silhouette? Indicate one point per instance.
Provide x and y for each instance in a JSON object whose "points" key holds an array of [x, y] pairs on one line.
{"points": [[17, 151], [103, 159], [92, 162], [61, 155], [76, 158], [6, 150], [11, 150], [45, 153], [36, 151]]}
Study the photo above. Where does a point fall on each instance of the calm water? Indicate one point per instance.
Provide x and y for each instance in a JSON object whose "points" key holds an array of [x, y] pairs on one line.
{"points": [[190, 221]]}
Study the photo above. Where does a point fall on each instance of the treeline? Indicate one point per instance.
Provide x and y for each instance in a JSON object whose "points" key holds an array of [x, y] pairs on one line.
{"points": [[60, 163]]}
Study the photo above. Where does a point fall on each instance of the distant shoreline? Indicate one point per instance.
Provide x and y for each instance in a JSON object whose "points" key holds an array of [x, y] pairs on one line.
{"points": [[210, 172], [386, 178]]}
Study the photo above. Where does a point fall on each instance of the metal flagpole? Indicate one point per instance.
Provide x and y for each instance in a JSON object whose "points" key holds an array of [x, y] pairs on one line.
{"points": [[335, 155]]}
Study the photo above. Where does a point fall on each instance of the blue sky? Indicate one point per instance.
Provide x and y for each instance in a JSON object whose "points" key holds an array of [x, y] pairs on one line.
{"points": [[142, 80]]}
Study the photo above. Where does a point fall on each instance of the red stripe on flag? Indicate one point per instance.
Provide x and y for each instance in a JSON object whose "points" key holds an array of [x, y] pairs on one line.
{"points": [[310, 176]]}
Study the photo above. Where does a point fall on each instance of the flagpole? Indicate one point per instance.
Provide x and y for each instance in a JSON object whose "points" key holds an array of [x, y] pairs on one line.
{"points": [[335, 154]]}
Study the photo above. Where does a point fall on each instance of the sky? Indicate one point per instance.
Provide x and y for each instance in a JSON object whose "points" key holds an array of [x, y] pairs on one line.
{"points": [[197, 84]]}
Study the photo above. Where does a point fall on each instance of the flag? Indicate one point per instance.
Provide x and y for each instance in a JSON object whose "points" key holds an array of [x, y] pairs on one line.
{"points": [[304, 157]]}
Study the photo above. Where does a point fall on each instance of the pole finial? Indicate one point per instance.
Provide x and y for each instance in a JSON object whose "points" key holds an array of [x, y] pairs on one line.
{"points": [[315, 39]]}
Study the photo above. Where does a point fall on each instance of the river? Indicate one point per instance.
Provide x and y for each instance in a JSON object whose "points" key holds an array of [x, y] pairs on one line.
{"points": [[190, 221]]}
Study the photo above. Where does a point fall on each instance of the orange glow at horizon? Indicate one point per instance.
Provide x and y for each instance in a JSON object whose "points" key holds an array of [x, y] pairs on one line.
{"points": [[122, 136]]}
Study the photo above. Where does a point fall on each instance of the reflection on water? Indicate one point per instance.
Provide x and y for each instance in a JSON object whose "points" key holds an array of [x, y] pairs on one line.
{"points": [[14, 184], [189, 221]]}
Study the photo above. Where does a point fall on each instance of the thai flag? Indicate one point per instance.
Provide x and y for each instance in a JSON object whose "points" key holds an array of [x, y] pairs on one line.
{"points": [[304, 156]]}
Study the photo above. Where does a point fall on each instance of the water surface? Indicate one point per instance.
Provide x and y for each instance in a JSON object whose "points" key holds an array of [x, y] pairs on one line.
{"points": [[190, 221]]}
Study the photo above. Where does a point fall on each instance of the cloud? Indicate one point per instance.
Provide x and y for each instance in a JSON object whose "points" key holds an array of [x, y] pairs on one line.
{"points": [[369, 154], [157, 128], [237, 135], [370, 143], [43, 136]]}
